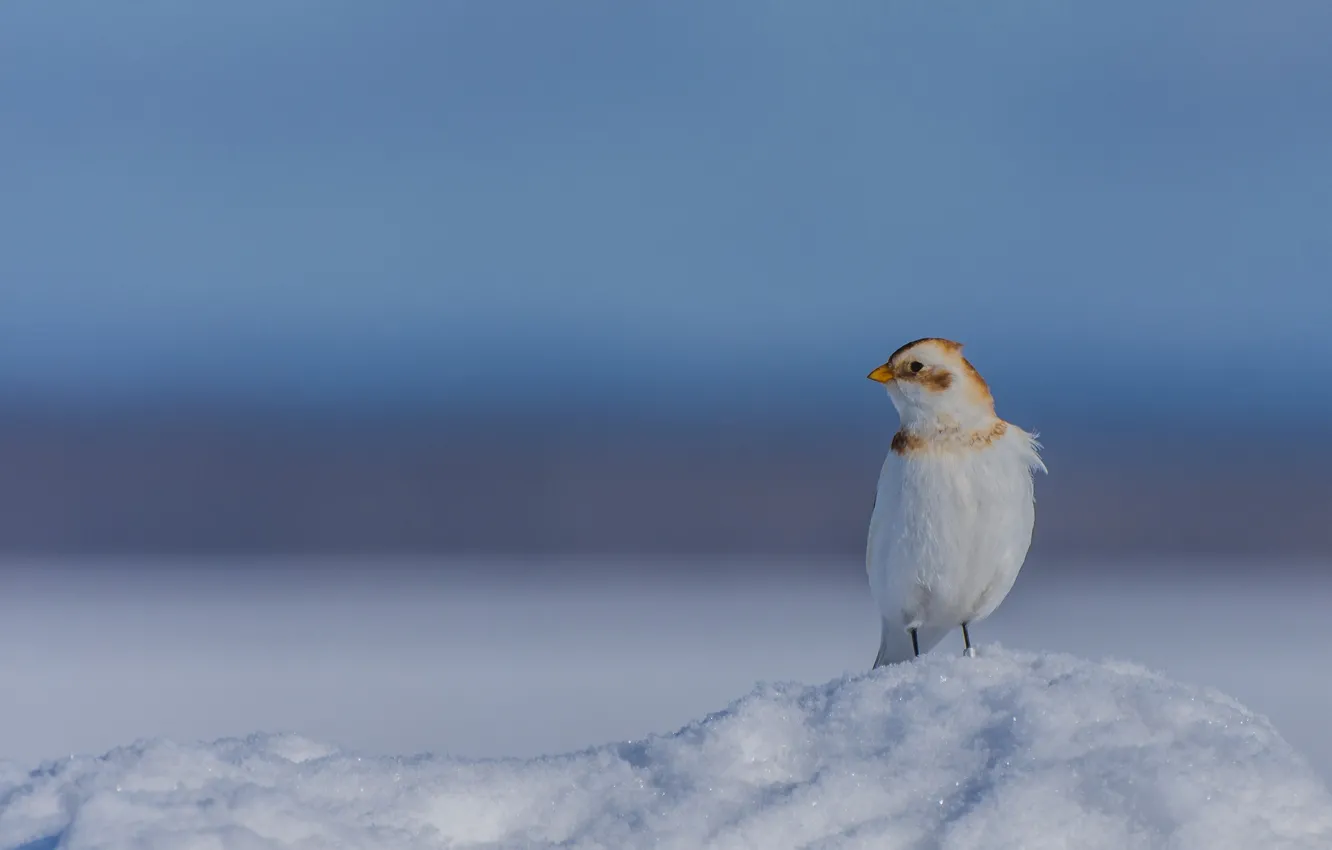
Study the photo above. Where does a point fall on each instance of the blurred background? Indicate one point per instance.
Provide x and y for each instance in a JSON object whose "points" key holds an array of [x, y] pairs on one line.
{"points": [[361, 352]]}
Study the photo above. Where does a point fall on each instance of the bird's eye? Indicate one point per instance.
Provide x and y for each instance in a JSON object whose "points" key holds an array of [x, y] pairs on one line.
{"points": [[915, 366]]}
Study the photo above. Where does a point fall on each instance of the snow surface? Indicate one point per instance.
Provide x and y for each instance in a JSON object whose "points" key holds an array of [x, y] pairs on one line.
{"points": [[1006, 750]]}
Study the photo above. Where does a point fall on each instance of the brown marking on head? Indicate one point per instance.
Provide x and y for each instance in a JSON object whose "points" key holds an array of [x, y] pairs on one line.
{"points": [[931, 378], [976, 386], [945, 344], [939, 378]]}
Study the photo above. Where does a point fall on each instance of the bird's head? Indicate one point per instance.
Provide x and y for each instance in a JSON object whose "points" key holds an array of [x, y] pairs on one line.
{"points": [[932, 385]]}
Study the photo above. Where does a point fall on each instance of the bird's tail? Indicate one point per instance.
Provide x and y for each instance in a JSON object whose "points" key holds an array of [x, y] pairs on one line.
{"points": [[895, 643]]}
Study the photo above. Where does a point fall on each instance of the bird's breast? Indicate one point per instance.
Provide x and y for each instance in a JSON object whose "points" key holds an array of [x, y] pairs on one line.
{"points": [[933, 511]]}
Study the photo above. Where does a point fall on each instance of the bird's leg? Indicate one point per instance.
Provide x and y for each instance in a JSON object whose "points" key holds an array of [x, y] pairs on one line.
{"points": [[966, 640], [915, 644]]}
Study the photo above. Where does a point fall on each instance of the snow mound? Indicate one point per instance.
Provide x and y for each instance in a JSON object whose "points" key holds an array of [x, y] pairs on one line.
{"points": [[1007, 750]]}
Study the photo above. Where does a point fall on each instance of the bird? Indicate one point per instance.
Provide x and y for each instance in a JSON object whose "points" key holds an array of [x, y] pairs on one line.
{"points": [[955, 504]]}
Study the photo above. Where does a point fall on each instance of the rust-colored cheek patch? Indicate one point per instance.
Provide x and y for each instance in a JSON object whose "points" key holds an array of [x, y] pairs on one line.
{"points": [[936, 380]]}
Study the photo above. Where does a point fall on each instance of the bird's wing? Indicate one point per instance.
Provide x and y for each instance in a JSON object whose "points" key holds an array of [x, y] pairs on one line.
{"points": [[891, 578], [884, 517], [1004, 532]]}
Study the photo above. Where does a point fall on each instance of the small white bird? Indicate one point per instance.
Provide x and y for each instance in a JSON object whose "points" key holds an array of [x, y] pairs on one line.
{"points": [[954, 510]]}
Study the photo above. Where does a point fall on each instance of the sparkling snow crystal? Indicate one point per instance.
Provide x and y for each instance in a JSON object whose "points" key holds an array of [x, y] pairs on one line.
{"points": [[1006, 750]]}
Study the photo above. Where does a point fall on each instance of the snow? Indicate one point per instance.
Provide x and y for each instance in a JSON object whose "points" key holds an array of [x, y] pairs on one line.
{"points": [[1005, 750]]}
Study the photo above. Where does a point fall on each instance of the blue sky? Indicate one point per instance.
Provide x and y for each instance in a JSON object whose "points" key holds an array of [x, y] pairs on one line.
{"points": [[467, 204]]}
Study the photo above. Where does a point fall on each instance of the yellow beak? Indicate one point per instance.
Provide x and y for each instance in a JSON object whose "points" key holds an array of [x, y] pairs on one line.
{"points": [[883, 374]]}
